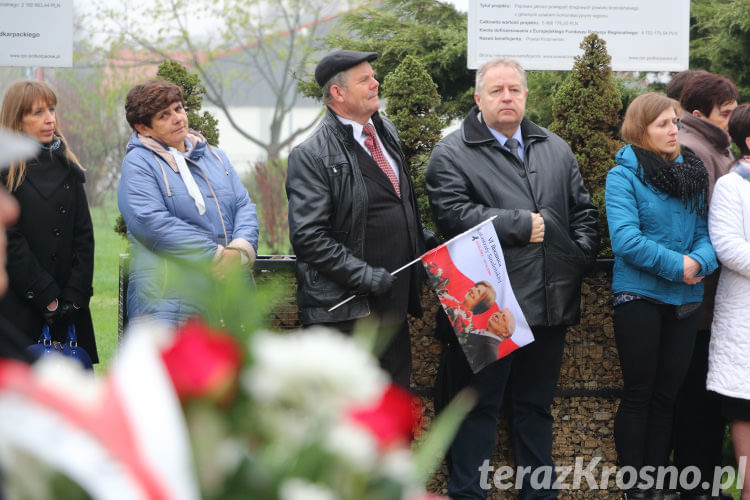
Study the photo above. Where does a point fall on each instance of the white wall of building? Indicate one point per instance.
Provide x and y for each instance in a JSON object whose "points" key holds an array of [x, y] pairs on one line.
{"points": [[256, 120]]}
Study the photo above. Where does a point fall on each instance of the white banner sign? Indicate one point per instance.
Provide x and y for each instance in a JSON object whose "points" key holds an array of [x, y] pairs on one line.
{"points": [[36, 33], [641, 35]]}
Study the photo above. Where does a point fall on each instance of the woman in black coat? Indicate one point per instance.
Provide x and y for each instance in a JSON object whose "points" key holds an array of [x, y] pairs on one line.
{"points": [[51, 248]]}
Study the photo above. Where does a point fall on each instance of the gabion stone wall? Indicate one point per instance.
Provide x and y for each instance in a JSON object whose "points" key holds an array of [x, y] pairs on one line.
{"points": [[587, 392]]}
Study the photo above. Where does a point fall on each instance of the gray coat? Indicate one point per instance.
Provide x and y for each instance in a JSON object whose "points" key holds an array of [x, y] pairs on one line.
{"points": [[471, 177]]}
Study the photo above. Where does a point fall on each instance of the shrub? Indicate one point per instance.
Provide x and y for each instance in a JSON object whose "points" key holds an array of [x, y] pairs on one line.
{"points": [[412, 102], [586, 112], [266, 187], [193, 92]]}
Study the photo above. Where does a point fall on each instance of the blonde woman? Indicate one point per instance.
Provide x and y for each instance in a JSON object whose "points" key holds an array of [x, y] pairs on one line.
{"points": [[51, 247]]}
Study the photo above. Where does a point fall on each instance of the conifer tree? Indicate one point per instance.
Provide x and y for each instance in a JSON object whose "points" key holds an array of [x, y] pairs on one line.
{"points": [[412, 100], [433, 32], [193, 92], [586, 111]]}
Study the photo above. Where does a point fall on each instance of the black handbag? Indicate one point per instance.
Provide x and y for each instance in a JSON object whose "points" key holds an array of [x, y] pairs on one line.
{"points": [[47, 347]]}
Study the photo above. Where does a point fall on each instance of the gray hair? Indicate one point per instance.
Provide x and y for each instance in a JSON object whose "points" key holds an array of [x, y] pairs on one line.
{"points": [[339, 79], [511, 63]]}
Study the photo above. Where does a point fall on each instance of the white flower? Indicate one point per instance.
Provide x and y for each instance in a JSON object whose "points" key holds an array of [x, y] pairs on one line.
{"points": [[313, 371], [299, 489], [66, 375], [398, 464], [355, 445]]}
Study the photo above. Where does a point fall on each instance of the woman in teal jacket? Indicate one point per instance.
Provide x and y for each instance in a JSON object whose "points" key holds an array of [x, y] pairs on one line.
{"points": [[656, 200]]}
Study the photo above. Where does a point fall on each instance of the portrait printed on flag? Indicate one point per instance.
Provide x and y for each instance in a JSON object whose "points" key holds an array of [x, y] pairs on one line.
{"points": [[469, 277]]}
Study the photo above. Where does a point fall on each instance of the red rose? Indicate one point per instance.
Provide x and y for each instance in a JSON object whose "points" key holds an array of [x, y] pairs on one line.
{"points": [[394, 418], [202, 362]]}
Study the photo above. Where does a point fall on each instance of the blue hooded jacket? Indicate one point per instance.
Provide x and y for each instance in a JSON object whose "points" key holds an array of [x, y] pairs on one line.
{"points": [[650, 232], [162, 219]]}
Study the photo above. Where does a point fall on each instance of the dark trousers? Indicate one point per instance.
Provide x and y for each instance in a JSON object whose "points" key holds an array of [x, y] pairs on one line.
{"points": [[530, 374], [698, 433], [654, 348], [395, 349]]}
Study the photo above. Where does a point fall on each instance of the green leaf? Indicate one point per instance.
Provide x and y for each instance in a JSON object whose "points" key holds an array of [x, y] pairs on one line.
{"points": [[430, 450]]}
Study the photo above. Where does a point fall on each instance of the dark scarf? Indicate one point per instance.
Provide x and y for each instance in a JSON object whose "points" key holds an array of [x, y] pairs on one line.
{"points": [[52, 146], [687, 181]]}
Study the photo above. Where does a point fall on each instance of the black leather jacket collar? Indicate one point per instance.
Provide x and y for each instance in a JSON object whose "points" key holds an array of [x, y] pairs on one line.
{"points": [[328, 236]]}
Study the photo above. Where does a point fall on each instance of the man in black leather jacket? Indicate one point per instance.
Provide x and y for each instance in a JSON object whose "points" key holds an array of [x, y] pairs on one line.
{"points": [[352, 213], [548, 229]]}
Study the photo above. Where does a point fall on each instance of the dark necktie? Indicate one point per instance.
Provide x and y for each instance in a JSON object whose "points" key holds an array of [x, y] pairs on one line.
{"points": [[377, 154], [512, 145]]}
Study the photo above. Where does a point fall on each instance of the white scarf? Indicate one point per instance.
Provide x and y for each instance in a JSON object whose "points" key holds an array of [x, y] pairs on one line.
{"points": [[187, 178]]}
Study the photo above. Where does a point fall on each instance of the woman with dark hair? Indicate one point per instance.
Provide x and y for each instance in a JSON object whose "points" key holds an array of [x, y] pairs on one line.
{"points": [[51, 246], [180, 198], [678, 82], [729, 350], [698, 434], [656, 199]]}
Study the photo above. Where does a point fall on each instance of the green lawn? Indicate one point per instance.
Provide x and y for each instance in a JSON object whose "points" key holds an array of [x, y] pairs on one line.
{"points": [[108, 246]]}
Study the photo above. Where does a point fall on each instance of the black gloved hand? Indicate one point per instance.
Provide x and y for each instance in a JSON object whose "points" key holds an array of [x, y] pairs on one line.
{"points": [[67, 312], [430, 238], [382, 281], [51, 317]]}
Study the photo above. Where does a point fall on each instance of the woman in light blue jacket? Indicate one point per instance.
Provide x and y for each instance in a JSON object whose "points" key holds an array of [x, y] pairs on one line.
{"points": [[656, 199], [180, 198]]}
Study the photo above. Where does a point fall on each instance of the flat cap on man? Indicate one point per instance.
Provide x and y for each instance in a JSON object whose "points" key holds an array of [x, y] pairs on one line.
{"points": [[340, 60]]}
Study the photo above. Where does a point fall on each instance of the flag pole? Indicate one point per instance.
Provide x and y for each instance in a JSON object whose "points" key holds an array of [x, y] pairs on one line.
{"points": [[393, 273]]}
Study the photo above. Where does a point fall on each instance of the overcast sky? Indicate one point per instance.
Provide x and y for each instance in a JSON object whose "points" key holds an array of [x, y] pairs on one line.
{"points": [[462, 5]]}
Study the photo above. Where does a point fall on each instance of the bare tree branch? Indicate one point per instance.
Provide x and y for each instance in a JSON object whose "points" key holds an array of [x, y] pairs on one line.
{"points": [[264, 42]]}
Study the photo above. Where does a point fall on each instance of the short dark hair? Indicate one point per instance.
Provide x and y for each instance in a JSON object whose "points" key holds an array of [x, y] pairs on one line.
{"points": [[739, 127], [706, 91], [146, 99], [678, 81]]}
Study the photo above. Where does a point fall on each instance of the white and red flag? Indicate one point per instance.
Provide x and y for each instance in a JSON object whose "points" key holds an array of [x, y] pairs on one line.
{"points": [[468, 274], [123, 437]]}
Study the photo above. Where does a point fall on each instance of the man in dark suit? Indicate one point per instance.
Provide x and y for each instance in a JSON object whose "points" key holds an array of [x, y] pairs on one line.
{"points": [[352, 213], [12, 342], [12, 147]]}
